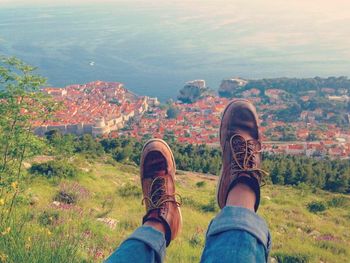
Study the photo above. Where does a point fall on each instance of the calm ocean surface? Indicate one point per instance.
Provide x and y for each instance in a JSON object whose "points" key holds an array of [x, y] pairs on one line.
{"points": [[154, 49]]}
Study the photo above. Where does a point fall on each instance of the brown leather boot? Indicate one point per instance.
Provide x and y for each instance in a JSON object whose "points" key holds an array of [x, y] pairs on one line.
{"points": [[241, 150], [158, 187]]}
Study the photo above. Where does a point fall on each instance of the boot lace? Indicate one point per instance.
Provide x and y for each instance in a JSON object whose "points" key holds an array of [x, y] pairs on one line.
{"points": [[244, 154], [157, 196]]}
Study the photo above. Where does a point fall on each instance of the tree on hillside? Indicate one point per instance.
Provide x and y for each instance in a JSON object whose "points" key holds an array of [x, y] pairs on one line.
{"points": [[326, 174], [22, 106], [63, 145], [277, 175], [88, 145]]}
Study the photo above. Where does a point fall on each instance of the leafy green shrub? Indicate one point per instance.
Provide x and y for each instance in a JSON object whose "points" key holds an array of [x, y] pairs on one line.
{"points": [[22, 200], [48, 218], [70, 193], [316, 206], [291, 258], [210, 207], [196, 240], [86, 144], [66, 197], [190, 202], [340, 201], [129, 190], [201, 184], [50, 169]]}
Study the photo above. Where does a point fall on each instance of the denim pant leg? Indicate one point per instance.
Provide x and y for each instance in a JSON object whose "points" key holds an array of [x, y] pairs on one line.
{"points": [[145, 245], [237, 235]]}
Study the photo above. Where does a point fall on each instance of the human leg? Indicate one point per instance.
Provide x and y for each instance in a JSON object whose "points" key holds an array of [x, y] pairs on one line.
{"points": [[238, 234], [145, 245], [162, 221]]}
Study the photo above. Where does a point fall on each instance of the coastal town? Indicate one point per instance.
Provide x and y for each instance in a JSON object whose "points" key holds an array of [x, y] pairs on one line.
{"points": [[96, 108], [107, 109]]}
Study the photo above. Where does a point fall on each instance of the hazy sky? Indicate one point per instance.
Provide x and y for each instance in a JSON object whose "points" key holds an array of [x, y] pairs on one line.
{"points": [[336, 6]]}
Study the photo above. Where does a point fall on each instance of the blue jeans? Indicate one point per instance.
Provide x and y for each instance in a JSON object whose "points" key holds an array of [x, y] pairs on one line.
{"points": [[236, 234]]}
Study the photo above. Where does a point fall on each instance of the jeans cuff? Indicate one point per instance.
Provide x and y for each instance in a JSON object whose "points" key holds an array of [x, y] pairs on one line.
{"points": [[239, 218], [153, 238]]}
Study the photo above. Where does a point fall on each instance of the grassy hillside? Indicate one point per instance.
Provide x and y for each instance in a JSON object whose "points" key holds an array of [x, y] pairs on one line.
{"points": [[107, 189]]}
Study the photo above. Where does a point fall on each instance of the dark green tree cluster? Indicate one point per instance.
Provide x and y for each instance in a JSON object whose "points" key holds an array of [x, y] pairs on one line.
{"points": [[331, 175], [66, 145], [188, 157], [57, 169], [89, 145], [290, 114], [197, 158], [123, 149]]}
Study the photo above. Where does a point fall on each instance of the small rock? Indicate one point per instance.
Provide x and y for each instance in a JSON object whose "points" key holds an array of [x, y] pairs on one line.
{"points": [[26, 165], [267, 197], [56, 203], [273, 260]]}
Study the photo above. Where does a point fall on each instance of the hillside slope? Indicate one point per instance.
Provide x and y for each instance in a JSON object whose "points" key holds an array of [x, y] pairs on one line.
{"points": [[110, 191]]}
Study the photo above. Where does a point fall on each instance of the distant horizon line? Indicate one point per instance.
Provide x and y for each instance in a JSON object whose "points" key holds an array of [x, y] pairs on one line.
{"points": [[228, 78]]}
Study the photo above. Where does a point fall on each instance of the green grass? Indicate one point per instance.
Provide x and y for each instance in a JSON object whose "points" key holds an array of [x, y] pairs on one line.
{"points": [[114, 192]]}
